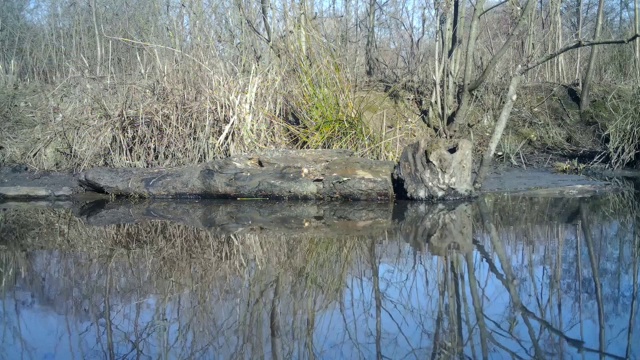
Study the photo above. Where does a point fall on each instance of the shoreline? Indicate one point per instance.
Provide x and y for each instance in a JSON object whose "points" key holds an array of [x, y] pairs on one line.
{"points": [[19, 183]]}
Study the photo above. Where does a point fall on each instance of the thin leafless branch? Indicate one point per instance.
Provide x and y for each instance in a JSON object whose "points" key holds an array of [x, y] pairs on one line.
{"points": [[493, 7], [579, 44]]}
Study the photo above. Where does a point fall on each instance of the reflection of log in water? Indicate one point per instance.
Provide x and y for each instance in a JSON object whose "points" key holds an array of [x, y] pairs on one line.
{"points": [[249, 217], [438, 227]]}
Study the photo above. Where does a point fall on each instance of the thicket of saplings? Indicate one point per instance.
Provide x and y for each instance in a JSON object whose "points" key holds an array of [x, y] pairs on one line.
{"points": [[164, 83]]}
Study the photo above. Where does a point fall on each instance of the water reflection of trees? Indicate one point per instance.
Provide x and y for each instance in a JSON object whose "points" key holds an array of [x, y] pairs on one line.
{"points": [[522, 278], [576, 268]]}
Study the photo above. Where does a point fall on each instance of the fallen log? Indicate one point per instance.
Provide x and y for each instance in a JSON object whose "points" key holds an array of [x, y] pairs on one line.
{"points": [[278, 174], [435, 172]]}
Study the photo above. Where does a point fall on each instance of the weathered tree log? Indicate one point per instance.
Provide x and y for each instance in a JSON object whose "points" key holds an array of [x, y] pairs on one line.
{"points": [[279, 174], [435, 170]]}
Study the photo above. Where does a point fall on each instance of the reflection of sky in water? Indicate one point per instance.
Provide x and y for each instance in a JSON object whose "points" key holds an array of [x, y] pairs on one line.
{"points": [[410, 305]]}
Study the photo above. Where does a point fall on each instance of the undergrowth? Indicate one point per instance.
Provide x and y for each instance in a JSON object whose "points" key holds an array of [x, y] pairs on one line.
{"points": [[623, 128], [184, 114]]}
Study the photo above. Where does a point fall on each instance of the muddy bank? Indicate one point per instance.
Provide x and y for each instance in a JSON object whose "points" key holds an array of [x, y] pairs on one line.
{"points": [[543, 182]]}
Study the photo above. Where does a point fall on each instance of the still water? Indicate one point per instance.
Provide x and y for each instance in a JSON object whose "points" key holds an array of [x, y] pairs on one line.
{"points": [[503, 277]]}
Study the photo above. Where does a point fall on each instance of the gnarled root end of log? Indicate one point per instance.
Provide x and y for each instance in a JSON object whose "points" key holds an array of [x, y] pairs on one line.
{"points": [[435, 170]]}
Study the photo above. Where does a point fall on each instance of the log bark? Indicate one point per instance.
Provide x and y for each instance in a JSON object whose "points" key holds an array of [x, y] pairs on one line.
{"points": [[280, 174]]}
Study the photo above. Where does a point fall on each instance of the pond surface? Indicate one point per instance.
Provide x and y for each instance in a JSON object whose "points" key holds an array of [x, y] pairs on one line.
{"points": [[503, 277]]}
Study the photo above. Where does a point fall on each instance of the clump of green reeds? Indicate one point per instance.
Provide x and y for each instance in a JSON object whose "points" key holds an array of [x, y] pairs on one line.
{"points": [[322, 99]]}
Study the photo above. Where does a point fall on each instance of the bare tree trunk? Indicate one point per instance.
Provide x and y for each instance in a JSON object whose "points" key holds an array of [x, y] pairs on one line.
{"points": [[468, 65], [370, 44], [439, 68], [498, 130], [303, 28], [620, 8], [493, 63], [586, 83], [347, 16], [444, 80], [557, 41], [579, 18], [454, 54], [264, 5], [469, 88]]}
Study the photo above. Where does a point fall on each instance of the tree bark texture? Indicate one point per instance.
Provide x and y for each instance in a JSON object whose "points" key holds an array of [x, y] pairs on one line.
{"points": [[586, 83], [281, 174]]}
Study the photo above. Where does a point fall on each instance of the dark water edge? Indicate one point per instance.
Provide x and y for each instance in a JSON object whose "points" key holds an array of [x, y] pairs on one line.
{"points": [[502, 277]]}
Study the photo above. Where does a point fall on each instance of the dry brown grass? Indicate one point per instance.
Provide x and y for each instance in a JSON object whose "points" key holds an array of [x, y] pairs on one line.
{"points": [[157, 105], [620, 117], [182, 119]]}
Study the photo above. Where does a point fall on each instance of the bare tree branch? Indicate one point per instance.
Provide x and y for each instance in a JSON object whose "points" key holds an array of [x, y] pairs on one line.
{"points": [[579, 44], [485, 163], [253, 27], [493, 7], [264, 5], [522, 21]]}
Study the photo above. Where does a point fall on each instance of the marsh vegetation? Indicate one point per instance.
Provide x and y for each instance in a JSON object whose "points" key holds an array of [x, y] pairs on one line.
{"points": [[163, 83]]}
